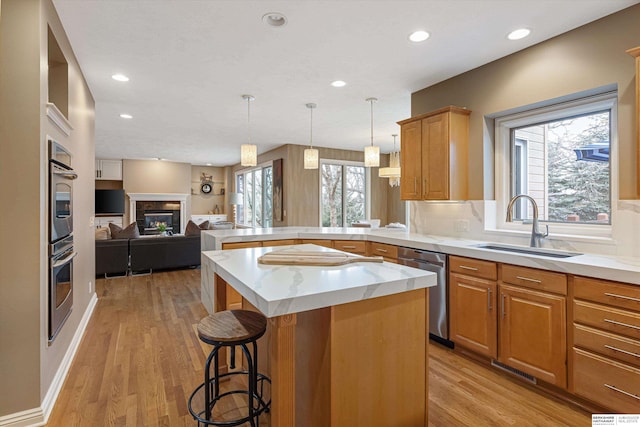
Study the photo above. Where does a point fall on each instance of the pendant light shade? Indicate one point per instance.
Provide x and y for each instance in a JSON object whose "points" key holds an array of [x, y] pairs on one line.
{"points": [[248, 155], [393, 171], [311, 154], [249, 151], [372, 153]]}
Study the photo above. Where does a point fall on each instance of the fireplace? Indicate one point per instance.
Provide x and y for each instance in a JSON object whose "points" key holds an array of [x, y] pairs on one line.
{"points": [[150, 209], [153, 220]]}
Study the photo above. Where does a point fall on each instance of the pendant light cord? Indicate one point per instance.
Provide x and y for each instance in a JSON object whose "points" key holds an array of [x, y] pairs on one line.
{"points": [[311, 130], [372, 122], [249, 119]]}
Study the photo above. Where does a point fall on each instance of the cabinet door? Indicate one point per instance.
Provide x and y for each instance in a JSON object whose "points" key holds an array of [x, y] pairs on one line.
{"points": [[111, 169], [533, 333], [472, 314], [410, 161], [435, 157]]}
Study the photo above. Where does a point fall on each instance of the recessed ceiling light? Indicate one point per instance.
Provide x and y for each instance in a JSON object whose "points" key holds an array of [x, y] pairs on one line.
{"points": [[418, 36], [519, 34], [208, 164], [126, 116], [120, 77], [274, 19], [338, 83]]}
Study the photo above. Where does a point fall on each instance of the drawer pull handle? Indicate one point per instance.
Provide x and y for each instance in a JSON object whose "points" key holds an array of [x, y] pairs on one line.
{"points": [[622, 324], [382, 250], [348, 247], [528, 279], [626, 393], [489, 299], [464, 267], [622, 351], [622, 297]]}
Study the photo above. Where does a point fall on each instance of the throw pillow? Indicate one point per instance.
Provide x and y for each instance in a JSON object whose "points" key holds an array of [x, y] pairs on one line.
{"points": [[192, 229], [129, 232], [102, 233]]}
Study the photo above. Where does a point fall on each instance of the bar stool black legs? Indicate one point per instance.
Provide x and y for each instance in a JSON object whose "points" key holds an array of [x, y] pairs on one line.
{"points": [[231, 329]]}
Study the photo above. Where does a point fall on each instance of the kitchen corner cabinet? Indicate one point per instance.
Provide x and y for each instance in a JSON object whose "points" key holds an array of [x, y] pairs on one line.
{"points": [[107, 169], [434, 155], [472, 305], [532, 323]]}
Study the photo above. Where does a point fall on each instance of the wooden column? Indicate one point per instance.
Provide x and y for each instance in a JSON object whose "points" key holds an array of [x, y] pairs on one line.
{"points": [[283, 370], [635, 52]]}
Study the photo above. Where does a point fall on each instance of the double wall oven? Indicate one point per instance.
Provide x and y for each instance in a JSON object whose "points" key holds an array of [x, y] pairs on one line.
{"points": [[61, 252]]}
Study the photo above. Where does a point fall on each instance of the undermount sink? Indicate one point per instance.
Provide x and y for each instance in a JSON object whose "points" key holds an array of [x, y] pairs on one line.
{"points": [[529, 251]]}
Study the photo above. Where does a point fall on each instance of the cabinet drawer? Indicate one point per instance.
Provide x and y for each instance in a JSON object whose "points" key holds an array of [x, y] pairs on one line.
{"points": [[621, 322], [319, 242], [353, 246], [616, 294], [384, 250], [281, 242], [535, 279], [241, 245], [473, 267], [611, 345], [611, 384]]}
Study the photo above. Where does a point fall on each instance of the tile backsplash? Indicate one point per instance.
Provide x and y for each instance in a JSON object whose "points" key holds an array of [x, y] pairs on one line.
{"points": [[475, 220]]}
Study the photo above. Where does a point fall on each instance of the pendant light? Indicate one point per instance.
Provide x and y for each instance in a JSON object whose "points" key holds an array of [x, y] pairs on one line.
{"points": [[393, 171], [372, 153], [249, 151], [311, 154]]}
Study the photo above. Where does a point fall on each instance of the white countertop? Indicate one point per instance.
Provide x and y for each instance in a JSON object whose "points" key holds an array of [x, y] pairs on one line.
{"points": [[284, 289], [622, 269]]}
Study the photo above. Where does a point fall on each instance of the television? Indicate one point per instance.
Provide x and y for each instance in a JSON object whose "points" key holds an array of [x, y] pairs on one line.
{"points": [[110, 202]]}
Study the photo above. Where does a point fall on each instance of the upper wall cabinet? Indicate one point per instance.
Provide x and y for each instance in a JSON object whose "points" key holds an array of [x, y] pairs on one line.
{"points": [[434, 155], [109, 169]]}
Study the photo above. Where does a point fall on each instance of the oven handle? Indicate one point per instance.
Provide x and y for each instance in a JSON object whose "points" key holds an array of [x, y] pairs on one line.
{"points": [[66, 173], [64, 260]]}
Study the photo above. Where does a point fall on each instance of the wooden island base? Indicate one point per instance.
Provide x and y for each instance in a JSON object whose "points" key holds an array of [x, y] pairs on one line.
{"points": [[358, 364]]}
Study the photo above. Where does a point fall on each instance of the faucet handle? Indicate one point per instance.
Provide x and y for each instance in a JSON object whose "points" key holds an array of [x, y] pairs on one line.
{"points": [[546, 233]]}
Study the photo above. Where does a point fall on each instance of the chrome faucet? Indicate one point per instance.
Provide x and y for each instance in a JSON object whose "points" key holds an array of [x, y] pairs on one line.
{"points": [[536, 235]]}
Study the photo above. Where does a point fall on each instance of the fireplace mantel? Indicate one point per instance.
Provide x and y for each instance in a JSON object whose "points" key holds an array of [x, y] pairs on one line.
{"points": [[160, 197]]}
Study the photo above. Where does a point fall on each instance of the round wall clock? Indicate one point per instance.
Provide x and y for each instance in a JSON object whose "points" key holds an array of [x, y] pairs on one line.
{"points": [[206, 188]]}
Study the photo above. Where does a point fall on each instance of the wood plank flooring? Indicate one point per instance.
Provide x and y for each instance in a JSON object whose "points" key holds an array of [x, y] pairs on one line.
{"points": [[140, 359]]}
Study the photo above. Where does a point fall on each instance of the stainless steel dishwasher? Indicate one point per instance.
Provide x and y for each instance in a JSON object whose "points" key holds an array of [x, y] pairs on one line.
{"points": [[438, 298]]}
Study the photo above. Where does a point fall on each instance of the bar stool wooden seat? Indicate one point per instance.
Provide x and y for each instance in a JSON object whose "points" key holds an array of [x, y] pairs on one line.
{"points": [[230, 329]]}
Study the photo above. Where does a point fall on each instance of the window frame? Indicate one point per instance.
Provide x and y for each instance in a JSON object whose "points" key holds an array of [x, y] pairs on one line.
{"points": [[503, 161], [260, 167], [367, 185]]}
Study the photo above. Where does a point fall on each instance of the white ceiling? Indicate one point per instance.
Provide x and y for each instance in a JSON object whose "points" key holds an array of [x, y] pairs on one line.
{"points": [[190, 62]]}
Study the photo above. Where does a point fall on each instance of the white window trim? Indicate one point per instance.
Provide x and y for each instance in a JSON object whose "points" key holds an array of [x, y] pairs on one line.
{"points": [[367, 190], [503, 125], [244, 171]]}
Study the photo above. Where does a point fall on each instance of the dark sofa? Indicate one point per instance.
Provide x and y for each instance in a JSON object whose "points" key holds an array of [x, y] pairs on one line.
{"points": [[143, 255], [162, 253], [112, 257]]}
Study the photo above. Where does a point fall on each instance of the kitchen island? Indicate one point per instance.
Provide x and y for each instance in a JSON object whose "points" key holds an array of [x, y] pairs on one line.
{"points": [[345, 346]]}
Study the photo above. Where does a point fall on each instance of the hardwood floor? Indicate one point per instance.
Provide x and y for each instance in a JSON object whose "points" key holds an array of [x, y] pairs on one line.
{"points": [[140, 359]]}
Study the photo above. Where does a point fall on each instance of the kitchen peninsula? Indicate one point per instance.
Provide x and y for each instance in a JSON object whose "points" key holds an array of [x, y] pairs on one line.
{"points": [[346, 345]]}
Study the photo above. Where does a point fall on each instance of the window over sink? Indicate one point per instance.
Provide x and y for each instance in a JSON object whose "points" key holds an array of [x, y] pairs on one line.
{"points": [[563, 155]]}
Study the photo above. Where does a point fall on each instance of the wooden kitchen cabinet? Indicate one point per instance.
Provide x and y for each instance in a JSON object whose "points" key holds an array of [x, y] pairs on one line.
{"points": [[354, 246], [472, 317], [532, 322], [604, 364], [388, 252], [434, 155]]}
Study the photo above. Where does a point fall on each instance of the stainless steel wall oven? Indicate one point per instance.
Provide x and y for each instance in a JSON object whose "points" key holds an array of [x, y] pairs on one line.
{"points": [[61, 253]]}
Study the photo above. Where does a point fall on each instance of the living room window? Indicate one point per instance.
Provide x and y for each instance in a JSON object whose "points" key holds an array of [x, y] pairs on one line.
{"points": [[256, 186], [560, 155], [344, 193]]}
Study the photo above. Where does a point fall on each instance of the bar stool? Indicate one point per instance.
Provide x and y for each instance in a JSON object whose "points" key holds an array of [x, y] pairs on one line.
{"points": [[230, 329]]}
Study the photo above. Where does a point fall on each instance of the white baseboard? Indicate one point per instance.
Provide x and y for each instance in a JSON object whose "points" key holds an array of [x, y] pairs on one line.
{"points": [[39, 416]]}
